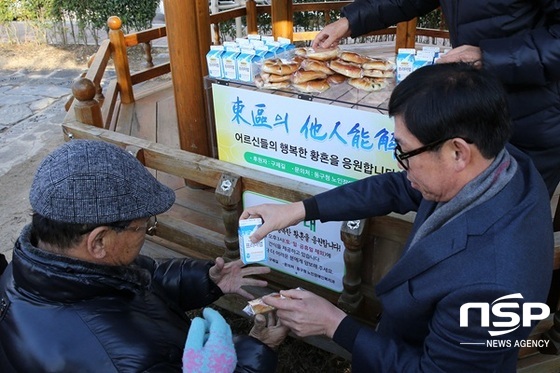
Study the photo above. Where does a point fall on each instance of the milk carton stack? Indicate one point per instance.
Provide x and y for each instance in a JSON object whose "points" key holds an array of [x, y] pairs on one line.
{"points": [[238, 60], [410, 59]]}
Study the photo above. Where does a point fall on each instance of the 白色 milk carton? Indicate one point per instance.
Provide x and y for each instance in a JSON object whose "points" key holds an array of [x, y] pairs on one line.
{"points": [[245, 64], [214, 61], [251, 252], [405, 62], [229, 62], [423, 58]]}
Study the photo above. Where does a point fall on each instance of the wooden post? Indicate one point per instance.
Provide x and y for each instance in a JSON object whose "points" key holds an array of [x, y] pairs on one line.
{"points": [[147, 46], [282, 19], [228, 194], [120, 58], [188, 38], [352, 234], [86, 108], [137, 152], [186, 28], [406, 35], [251, 7]]}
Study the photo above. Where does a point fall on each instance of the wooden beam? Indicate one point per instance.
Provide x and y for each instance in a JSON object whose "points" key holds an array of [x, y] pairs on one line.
{"points": [[202, 169], [145, 36], [150, 73], [282, 19]]}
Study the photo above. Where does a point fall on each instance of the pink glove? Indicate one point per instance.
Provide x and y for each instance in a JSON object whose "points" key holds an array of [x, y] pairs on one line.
{"points": [[209, 347]]}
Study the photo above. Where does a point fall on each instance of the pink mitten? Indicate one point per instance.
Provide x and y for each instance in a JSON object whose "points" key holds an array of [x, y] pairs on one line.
{"points": [[209, 347]]}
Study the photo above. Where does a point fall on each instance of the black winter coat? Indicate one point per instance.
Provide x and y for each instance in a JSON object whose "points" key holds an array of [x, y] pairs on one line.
{"points": [[3, 263], [58, 314], [520, 43]]}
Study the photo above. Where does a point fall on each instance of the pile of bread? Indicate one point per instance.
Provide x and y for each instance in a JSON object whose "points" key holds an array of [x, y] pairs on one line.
{"points": [[314, 71]]}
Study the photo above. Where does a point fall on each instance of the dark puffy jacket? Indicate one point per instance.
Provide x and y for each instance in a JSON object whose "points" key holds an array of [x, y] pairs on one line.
{"points": [[520, 43], [59, 314], [3, 263]]}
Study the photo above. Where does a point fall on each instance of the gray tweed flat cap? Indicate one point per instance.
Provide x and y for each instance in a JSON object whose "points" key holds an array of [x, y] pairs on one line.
{"points": [[94, 182]]}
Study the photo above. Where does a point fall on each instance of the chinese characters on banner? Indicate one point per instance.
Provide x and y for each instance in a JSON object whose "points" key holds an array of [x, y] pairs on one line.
{"points": [[311, 142]]}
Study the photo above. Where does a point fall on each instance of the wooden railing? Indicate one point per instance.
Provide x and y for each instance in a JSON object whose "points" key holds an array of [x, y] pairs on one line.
{"points": [[404, 32], [88, 90]]}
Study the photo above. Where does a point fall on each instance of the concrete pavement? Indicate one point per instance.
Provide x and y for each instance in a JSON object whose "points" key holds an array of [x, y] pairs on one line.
{"points": [[31, 113], [31, 103]]}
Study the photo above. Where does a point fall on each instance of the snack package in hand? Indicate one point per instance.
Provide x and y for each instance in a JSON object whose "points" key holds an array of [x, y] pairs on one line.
{"points": [[256, 306]]}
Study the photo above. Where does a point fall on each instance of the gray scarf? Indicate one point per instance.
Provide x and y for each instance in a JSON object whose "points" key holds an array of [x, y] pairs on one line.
{"points": [[477, 191]]}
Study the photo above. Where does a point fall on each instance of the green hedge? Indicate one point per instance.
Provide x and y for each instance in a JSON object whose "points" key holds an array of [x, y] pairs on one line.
{"points": [[64, 17], [87, 16]]}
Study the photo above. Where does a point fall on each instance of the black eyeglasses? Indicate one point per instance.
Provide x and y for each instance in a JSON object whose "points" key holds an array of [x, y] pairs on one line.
{"points": [[150, 227], [402, 158]]}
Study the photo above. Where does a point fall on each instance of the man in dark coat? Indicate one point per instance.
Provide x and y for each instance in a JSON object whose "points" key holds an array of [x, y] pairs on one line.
{"points": [[516, 40], [476, 268], [78, 297]]}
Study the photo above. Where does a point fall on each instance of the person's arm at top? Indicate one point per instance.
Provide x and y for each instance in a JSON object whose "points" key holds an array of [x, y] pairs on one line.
{"points": [[528, 58], [364, 16]]}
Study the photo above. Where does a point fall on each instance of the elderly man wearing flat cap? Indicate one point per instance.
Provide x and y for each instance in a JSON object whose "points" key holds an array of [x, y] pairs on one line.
{"points": [[78, 297]]}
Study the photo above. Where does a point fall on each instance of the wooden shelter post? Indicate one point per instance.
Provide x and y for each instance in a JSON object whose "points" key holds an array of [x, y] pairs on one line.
{"points": [[406, 34], [282, 19], [188, 39], [121, 59], [252, 27]]}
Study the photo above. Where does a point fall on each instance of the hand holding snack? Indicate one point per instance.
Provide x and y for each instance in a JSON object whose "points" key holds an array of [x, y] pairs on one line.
{"points": [[258, 306], [306, 313]]}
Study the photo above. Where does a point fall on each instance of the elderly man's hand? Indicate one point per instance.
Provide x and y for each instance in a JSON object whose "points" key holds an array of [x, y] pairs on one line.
{"points": [[230, 277], [269, 330]]}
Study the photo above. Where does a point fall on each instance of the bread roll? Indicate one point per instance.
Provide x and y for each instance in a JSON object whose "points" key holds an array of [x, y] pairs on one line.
{"points": [[367, 83], [309, 64], [312, 86], [378, 64], [302, 76], [373, 73], [262, 84], [298, 59], [322, 54], [279, 67], [378, 73], [336, 79], [301, 52], [353, 57], [348, 69], [273, 78]]}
